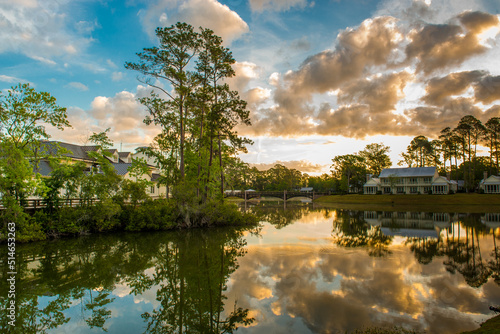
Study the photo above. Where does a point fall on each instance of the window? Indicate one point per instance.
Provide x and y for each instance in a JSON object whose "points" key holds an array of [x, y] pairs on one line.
{"points": [[152, 189], [400, 190], [413, 190], [427, 179], [413, 180]]}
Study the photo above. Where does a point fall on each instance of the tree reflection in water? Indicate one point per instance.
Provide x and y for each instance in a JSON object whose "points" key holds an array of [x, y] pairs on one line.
{"points": [[351, 230], [190, 270], [459, 244], [178, 281]]}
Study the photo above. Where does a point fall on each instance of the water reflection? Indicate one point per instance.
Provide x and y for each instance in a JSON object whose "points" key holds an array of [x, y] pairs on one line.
{"points": [[378, 268], [309, 270], [154, 283]]}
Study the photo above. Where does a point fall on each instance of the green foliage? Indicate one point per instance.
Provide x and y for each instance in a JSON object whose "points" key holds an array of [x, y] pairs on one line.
{"points": [[384, 330], [198, 118], [150, 216], [24, 110], [376, 157]]}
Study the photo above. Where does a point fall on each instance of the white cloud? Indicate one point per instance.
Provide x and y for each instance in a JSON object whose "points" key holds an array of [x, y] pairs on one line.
{"points": [[78, 85], [39, 30], [205, 13], [117, 76], [44, 60], [9, 79], [278, 5], [122, 113], [111, 63]]}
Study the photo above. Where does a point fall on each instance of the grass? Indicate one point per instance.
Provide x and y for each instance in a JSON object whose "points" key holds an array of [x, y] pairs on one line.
{"points": [[489, 327], [438, 203]]}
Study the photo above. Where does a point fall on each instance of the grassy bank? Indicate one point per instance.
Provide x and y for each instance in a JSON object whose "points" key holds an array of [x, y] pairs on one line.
{"points": [[490, 326], [438, 203]]}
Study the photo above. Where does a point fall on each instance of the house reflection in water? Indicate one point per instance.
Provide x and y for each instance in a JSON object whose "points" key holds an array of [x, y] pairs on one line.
{"points": [[491, 220], [410, 224]]}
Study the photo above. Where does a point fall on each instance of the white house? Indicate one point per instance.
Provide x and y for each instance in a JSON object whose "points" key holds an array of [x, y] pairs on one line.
{"points": [[415, 180], [441, 185], [490, 185], [121, 162], [372, 186]]}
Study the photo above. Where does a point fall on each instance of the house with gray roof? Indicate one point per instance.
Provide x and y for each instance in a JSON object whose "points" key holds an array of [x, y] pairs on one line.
{"points": [[490, 185], [121, 162], [414, 180]]}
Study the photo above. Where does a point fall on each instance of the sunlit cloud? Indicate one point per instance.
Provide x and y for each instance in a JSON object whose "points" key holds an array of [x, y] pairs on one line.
{"points": [[206, 13]]}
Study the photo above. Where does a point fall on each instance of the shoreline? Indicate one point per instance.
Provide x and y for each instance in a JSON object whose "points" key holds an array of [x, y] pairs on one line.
{"points": [[470, 203]]}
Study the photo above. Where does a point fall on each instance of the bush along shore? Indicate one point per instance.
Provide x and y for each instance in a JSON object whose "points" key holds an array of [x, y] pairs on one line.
{"points": [[112, 216]]}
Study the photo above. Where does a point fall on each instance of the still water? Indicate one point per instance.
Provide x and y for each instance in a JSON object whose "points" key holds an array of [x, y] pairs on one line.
{"points": [[306, 269]]}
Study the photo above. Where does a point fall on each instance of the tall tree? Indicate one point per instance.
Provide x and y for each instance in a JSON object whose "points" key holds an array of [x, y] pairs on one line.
{"points": [[220, 108], [419, 153], [350, 169], [492, 139], [376, 158], [470, 130], [199, 116], [169, 64]]}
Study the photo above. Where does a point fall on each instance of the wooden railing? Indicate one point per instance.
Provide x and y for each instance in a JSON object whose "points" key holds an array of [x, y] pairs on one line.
{"points": [[73, 202], [40, 203]]}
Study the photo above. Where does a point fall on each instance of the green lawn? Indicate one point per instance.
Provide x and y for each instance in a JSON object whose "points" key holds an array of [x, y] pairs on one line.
{"points": [[489, 327], [446, 203]]}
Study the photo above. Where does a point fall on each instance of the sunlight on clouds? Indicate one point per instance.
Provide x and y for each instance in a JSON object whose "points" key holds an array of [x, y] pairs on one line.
{"points": [[206, 13]]}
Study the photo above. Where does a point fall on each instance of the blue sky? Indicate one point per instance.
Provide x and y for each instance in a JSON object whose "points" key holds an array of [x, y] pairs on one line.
{"points": [[322, 78]]}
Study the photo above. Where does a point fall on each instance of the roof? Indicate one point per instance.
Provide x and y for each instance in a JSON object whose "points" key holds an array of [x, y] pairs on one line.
{"points": [[122, 168], [155, 177], [492, 179], [74, 151], [441, 180], [44, 168], [408, 172], [123, 154], [372, 182], [410, 233]]}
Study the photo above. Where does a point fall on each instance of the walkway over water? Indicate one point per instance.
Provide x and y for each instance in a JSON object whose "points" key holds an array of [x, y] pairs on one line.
{"points": [[284, 195]]}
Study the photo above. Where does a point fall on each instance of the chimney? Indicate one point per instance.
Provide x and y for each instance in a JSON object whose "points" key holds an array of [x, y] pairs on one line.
{"points": [[448, 176], [485, 175], [368, 177]]}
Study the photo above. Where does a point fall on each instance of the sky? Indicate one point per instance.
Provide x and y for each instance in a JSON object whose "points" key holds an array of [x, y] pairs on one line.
{"points": [[321, 78]]}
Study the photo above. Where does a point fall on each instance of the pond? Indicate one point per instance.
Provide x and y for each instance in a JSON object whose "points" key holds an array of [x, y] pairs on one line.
{"points": [[306, 269]]}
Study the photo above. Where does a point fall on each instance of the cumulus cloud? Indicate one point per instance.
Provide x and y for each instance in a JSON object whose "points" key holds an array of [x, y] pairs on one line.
{"points": [[371, 44], [278, 5], [380, 93], [439, 89], [481, 85], [429, 120], [439, 46], [122, 113], [244, 73], [383, 77], [206, 13], [38, 30]]}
